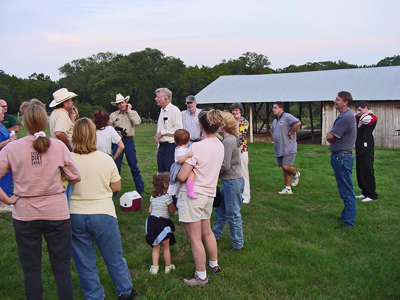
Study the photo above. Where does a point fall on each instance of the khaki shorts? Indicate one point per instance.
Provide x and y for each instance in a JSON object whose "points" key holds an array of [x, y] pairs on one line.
{"points": [[287, 160], [193, 210]]}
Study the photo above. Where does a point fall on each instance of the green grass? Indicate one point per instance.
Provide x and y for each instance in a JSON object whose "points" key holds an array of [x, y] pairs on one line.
{"points": [[293, 249]]}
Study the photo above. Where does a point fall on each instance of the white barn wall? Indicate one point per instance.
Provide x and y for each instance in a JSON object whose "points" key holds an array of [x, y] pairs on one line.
{"points": [[385, 133]]}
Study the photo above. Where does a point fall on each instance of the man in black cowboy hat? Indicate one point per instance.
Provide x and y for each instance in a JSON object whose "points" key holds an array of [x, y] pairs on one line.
{"points": [[124, 121]]}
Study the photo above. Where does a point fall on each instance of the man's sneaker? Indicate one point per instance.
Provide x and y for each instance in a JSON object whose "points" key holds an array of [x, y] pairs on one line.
{"points": [[131, 296], [368, 199], [195, 280], [214, 270], [360, 197], [295, 179], [169, 269], [285, 191], [154, 270]]}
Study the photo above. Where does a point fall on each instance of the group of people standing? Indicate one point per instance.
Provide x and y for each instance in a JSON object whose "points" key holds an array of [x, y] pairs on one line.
{"points": [[45, 169], [201, 127], [352, 130]]}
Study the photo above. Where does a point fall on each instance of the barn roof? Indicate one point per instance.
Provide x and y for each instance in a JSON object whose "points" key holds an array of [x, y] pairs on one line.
{"points": [[374, 84]]}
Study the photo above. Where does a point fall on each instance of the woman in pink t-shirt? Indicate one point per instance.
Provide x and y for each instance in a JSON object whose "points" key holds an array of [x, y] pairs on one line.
{"points": [[41, 207], [195, 214]]}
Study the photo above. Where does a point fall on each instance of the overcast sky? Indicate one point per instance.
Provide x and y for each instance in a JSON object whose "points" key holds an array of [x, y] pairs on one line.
{"points": [[42, 35]]}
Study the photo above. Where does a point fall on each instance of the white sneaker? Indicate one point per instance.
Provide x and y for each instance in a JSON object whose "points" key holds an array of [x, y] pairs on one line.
{"points": [[295, 179], [246, 201], [154, 270], [360, 197], [367, 199], [285, 191], [171, 268]]}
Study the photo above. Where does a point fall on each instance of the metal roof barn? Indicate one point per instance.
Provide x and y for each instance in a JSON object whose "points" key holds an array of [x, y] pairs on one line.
{"points": [[382, 83], [380, 86]]}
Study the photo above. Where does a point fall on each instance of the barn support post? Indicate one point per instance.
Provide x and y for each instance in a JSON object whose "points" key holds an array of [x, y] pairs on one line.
{"points": [[251, 122], [311, 122]]}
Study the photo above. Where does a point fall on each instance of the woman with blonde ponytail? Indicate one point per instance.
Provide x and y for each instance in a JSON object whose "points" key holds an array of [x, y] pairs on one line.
{"points": [[41, 207]]}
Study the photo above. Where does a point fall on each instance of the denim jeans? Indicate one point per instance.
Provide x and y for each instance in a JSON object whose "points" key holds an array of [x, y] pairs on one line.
{"points": [[130, 154], [229, 210], [57, 234], [102, 229], [165, 156], [342, 164]]}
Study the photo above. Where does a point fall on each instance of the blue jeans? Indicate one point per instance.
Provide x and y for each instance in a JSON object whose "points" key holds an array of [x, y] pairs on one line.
{"points": [[165, 156], [57, 234], [342, 164], [229, 210], [130, 154], [102, 229]]}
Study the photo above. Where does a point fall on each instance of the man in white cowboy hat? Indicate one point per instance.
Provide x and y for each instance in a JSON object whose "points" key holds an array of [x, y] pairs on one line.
{"points": [[169, 120], [124, 121], [61, 125]]}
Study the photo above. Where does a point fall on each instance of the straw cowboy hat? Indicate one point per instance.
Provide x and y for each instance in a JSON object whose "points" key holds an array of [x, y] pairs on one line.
{"points": [[119, 98], [60, 96]]}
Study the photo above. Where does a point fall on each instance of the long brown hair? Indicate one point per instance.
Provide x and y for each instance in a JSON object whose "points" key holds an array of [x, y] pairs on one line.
{"points": [[84, 136], [160, 182], [34, 120]]}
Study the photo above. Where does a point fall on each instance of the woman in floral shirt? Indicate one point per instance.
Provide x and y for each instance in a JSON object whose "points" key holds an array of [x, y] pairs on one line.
{"points": [[243, 126]]}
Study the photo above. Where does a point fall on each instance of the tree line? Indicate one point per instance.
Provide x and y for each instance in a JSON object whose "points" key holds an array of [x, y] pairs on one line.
{"points": [[98, 78]]}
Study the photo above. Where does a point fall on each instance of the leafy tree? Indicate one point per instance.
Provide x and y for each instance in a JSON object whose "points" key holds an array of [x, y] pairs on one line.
{"points": [[318, 66], [248, 63], [79, 72], [389, 61]]}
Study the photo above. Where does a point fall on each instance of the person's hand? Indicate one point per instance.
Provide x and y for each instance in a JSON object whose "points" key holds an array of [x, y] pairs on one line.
{"points": [[13, 137], [129, 106], [13, 199], [157, 137], [120, 134], [190, 153]]}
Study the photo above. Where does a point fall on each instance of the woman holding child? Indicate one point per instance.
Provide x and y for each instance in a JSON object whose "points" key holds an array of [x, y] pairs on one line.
{"points": [[195, 213]]}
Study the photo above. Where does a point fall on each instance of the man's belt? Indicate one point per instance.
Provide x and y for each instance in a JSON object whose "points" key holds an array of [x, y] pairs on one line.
{"points": [[196, 140], [340, 151], [127, 138], [165, 143]]}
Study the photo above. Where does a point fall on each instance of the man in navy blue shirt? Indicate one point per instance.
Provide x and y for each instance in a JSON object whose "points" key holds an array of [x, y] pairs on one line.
{"points": [[342, 138]]}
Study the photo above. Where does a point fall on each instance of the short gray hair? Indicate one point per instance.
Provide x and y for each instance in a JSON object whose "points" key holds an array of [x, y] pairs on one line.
{"points": [[165, 92]]}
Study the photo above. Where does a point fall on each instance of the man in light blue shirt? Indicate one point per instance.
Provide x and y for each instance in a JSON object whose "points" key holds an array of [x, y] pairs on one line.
{"points": [[190, 119]]}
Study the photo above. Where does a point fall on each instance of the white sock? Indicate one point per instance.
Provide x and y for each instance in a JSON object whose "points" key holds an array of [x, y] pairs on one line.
{"points": [[213, 263], [202, 275], [289, 188]]}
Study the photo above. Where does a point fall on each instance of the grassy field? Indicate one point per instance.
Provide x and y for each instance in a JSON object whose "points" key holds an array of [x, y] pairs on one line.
{"points": [[294, 248]]}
